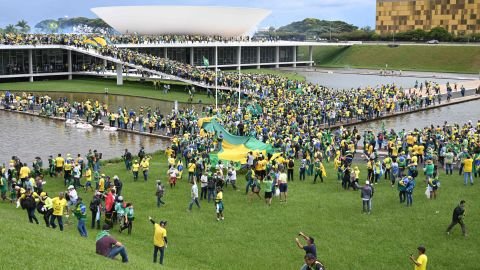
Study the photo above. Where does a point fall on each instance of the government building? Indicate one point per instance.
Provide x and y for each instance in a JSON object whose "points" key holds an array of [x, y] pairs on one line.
{"points": [[27, 62], [458, 17]]}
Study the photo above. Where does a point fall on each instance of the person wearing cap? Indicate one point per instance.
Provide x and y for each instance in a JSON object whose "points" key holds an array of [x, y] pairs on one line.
{"points": [[159, 239], [366, 193], [135, 168], [67, 172], [457, 218], [47, 207], [421, 262], [311, 263], [309, 247], [28, 202], [58, 203], [145, 164], [108, 246], [120, 211], [81, 213], [219, 204]]}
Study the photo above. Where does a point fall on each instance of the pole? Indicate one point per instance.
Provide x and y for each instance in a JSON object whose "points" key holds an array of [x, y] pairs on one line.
{"points": [[216, 81], [239, 88]]}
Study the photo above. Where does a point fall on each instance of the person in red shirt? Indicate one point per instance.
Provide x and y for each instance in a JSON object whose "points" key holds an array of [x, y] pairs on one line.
{"points": [[109, 206]]}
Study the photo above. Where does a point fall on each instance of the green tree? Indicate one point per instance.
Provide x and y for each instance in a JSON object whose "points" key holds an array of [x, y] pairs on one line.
{"points": [[10, 29], [439, 33], [23, 26]]}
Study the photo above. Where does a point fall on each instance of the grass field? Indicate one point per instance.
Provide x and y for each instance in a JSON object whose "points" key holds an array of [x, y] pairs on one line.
{"points": [[457, 59], [98, 85], [254, 236]]}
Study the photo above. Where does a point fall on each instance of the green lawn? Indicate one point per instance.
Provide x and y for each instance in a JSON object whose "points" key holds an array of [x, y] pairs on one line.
{"points": [[97, 85], [254, 236], [289, 75], [460, 59]]}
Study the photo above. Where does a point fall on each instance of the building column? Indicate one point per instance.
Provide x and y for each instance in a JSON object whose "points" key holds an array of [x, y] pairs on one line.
{"points": [[69, 60], [277, 56], [119, 68], [310, 55], [165, 53], [30, 64], [191, 56], [105, 68], [239, 58], [294, 56], [258, 57]]}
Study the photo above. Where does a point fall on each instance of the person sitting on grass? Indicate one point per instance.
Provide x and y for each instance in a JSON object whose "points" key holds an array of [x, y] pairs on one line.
{"points": [[109, 247]]}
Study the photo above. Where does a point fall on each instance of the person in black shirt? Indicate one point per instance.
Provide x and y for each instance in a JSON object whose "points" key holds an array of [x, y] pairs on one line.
{"points": [[457, 217], [309, 247]]}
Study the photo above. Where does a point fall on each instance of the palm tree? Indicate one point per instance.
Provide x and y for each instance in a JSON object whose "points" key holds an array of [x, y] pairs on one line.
{"points": [[10, 29], [23, 26]]}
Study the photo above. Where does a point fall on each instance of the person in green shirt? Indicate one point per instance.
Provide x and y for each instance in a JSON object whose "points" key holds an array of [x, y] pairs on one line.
{"points": [[449, 158], [267, 187], [81, 213]]}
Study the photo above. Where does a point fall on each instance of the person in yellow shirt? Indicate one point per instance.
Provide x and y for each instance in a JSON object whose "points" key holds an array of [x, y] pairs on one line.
{"points": [[135, 168], [467, 170], [421, 262], [159, 239], [145, 164], [101, 183], [58, 204], [59, 162], [24, 173], [88, 179], [219, 204], [191, 170]]}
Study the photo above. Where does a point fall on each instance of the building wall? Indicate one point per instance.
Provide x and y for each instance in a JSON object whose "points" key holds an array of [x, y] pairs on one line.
{"points": [[456, 16]]}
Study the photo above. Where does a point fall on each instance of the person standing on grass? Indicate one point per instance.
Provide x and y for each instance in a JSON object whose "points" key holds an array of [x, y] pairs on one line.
{"points": [[283, 186], [409, 190], [47, 207], [366, 194], [309, 247], [135, 169], [159, 239], [59, 203], [267, 188], [467, 169], [194, 195], [81, 213], [457, 218], [96, 209], [159, 193], [130, 217], [204, 186], [109, 247], [421, 262], [219, 204], [172, 176]]}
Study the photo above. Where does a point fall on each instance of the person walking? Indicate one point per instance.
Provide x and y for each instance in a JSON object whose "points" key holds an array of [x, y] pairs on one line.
{"points": [[96, 209], [194, 195], [135, 169], [366, 194], [457, 218], [27, 201], [219, 204], [47, 207], [130, 217], [421, 262], [59, 203], [159, 193], [81, 213], [409, 190], [159, 239]]}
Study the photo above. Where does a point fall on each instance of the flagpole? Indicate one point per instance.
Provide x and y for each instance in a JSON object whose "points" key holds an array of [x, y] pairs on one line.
{"points": [[239, 86], [216, 80]]}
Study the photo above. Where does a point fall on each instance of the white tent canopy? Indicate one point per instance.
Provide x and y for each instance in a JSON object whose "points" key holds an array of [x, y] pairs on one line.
{"points": [[182, 20]]}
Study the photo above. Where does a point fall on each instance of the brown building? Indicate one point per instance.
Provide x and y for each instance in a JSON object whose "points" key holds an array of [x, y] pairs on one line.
{"points": [[456, 16]]}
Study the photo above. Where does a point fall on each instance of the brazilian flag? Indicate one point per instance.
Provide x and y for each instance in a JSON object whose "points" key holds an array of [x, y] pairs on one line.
{"points": [[205, 62]]}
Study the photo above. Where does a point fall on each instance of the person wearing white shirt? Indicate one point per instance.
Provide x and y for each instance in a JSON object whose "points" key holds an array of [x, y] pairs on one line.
{"points": [[204, 186], [194, 196]]}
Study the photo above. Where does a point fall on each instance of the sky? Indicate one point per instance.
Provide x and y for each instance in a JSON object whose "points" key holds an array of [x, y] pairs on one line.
{"points": [[357, 12]]}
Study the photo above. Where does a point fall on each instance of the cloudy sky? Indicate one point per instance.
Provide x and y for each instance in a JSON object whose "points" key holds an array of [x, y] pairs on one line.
{"points": [[357, 12]]}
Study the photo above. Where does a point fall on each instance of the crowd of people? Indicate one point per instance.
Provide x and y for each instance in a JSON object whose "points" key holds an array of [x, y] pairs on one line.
{"points": [[396, 157]]}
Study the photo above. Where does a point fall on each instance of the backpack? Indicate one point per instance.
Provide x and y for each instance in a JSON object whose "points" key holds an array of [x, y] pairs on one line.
{"points": [[291, 164], [93, 205], [28, 202]]}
